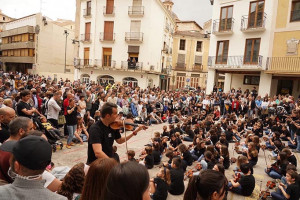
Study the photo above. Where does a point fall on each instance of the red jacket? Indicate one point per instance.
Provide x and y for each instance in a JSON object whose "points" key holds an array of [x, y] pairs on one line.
{"points": [[235, 103]]}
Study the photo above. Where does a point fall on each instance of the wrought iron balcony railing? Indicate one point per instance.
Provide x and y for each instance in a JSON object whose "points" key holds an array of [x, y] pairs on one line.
{"points": [[134, 36], [87, 12], [136, 10], [180, 66], [109, 37], [87, 37], [223, 26], [234, 62], [129, 65], [249, 25]]}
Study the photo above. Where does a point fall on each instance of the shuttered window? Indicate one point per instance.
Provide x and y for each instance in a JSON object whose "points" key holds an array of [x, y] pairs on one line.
{"points": [[198, 60]]}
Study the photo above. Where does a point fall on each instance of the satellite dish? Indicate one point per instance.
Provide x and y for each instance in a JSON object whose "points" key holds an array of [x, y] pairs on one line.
{"points": [[37, 29]]}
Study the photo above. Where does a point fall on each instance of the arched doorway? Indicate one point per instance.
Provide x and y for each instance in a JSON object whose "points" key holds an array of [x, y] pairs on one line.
{"points": [[106, 79], [132, 82], [85, 78]]}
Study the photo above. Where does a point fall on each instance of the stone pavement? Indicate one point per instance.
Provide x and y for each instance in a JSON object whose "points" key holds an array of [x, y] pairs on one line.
{"points": [[69, 157]]}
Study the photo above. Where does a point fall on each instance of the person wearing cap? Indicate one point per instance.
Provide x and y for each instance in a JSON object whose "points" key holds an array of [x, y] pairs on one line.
{"points": [[30, 157]]}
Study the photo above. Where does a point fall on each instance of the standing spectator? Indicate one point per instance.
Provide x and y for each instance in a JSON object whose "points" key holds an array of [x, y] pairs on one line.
{"points": [[71, 121], [53, 109], [6, 115], [23, 107]]}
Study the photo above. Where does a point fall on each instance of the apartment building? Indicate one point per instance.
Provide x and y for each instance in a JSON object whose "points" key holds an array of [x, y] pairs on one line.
{"points": [[190, 55], [36, 44], [284, 63], [125, 41], [240, 44], [3, 19]]}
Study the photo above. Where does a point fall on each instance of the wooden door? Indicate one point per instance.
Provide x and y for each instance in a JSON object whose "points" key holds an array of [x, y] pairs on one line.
{"points": [[87, 31], [107, 52], [180, 81], [194, 82], [108, 30], [109, 6], [86, 56]]}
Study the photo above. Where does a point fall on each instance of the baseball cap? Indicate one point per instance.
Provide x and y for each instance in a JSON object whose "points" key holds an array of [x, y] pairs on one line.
{"points": [[33, 152]]}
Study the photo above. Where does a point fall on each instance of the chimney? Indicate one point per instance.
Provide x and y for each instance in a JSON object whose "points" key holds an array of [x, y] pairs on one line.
{"points": [[168, 4]]}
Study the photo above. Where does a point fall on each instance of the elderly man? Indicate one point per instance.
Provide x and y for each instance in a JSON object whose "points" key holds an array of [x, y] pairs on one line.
{"points": [[30, 157], [6, 115]]}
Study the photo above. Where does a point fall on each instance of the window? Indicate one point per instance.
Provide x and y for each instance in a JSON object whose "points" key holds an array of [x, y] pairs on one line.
{"points": [[31, 37], [180, 80], [295, 11], [252, 51], [108, 30], [109, 7], [256, 14], [251, 80], [88, 8], [182, 45], [226, 18], [222, 52], [199, 46], [198, 60]]}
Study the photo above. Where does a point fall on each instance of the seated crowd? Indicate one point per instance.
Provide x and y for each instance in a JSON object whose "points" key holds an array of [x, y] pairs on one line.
{"points": [[198, 131]]}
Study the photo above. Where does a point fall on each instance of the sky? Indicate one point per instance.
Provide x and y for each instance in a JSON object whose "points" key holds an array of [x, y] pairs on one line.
{"points": [[196, 10]]}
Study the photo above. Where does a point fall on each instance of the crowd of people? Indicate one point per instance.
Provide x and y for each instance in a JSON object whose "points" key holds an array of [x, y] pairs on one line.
{"points": [[37, 113]]}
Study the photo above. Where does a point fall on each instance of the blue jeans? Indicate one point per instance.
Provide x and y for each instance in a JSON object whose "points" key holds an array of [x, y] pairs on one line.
{"points": [[71, 131], [278, 195], [274, 174], [292, 146], [298, 143], [188, 139], [237, 190]]}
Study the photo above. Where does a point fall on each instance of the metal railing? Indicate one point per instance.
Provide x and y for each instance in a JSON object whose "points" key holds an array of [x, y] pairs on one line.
{"points": [[107, 36], [180, 66], [233, 61], [283, 64], [83, 63], [253, 24], [136, 10], [108, 10], [198, 67], [295, 15], [134, 36], [87, 37], [87, 12], [129, 65], [224, 25]]}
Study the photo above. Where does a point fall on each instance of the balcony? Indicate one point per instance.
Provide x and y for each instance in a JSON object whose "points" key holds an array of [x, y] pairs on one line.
{"points": [[108, 64], [283, 65], [18, 59], [86, 38], [108, 10], [134, 37], [128, 65], [295, 16], [87, 13], [83, 63], [234, 62], [18, 45], [253, 25], [136, 11], [107, 37], [225, 27], [180, 67], [18, 31], [197, 67]]}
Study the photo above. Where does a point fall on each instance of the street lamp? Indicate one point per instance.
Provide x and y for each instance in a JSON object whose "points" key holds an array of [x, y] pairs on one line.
{"points": [[67, 34]]}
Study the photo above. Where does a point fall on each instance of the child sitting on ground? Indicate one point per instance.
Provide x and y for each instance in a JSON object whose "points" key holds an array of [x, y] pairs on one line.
{"points": [[186, 154], [159, 185], [177, 176], [148, 158], [246, 184], [115, 154], [130, 155], [48, 126]]}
